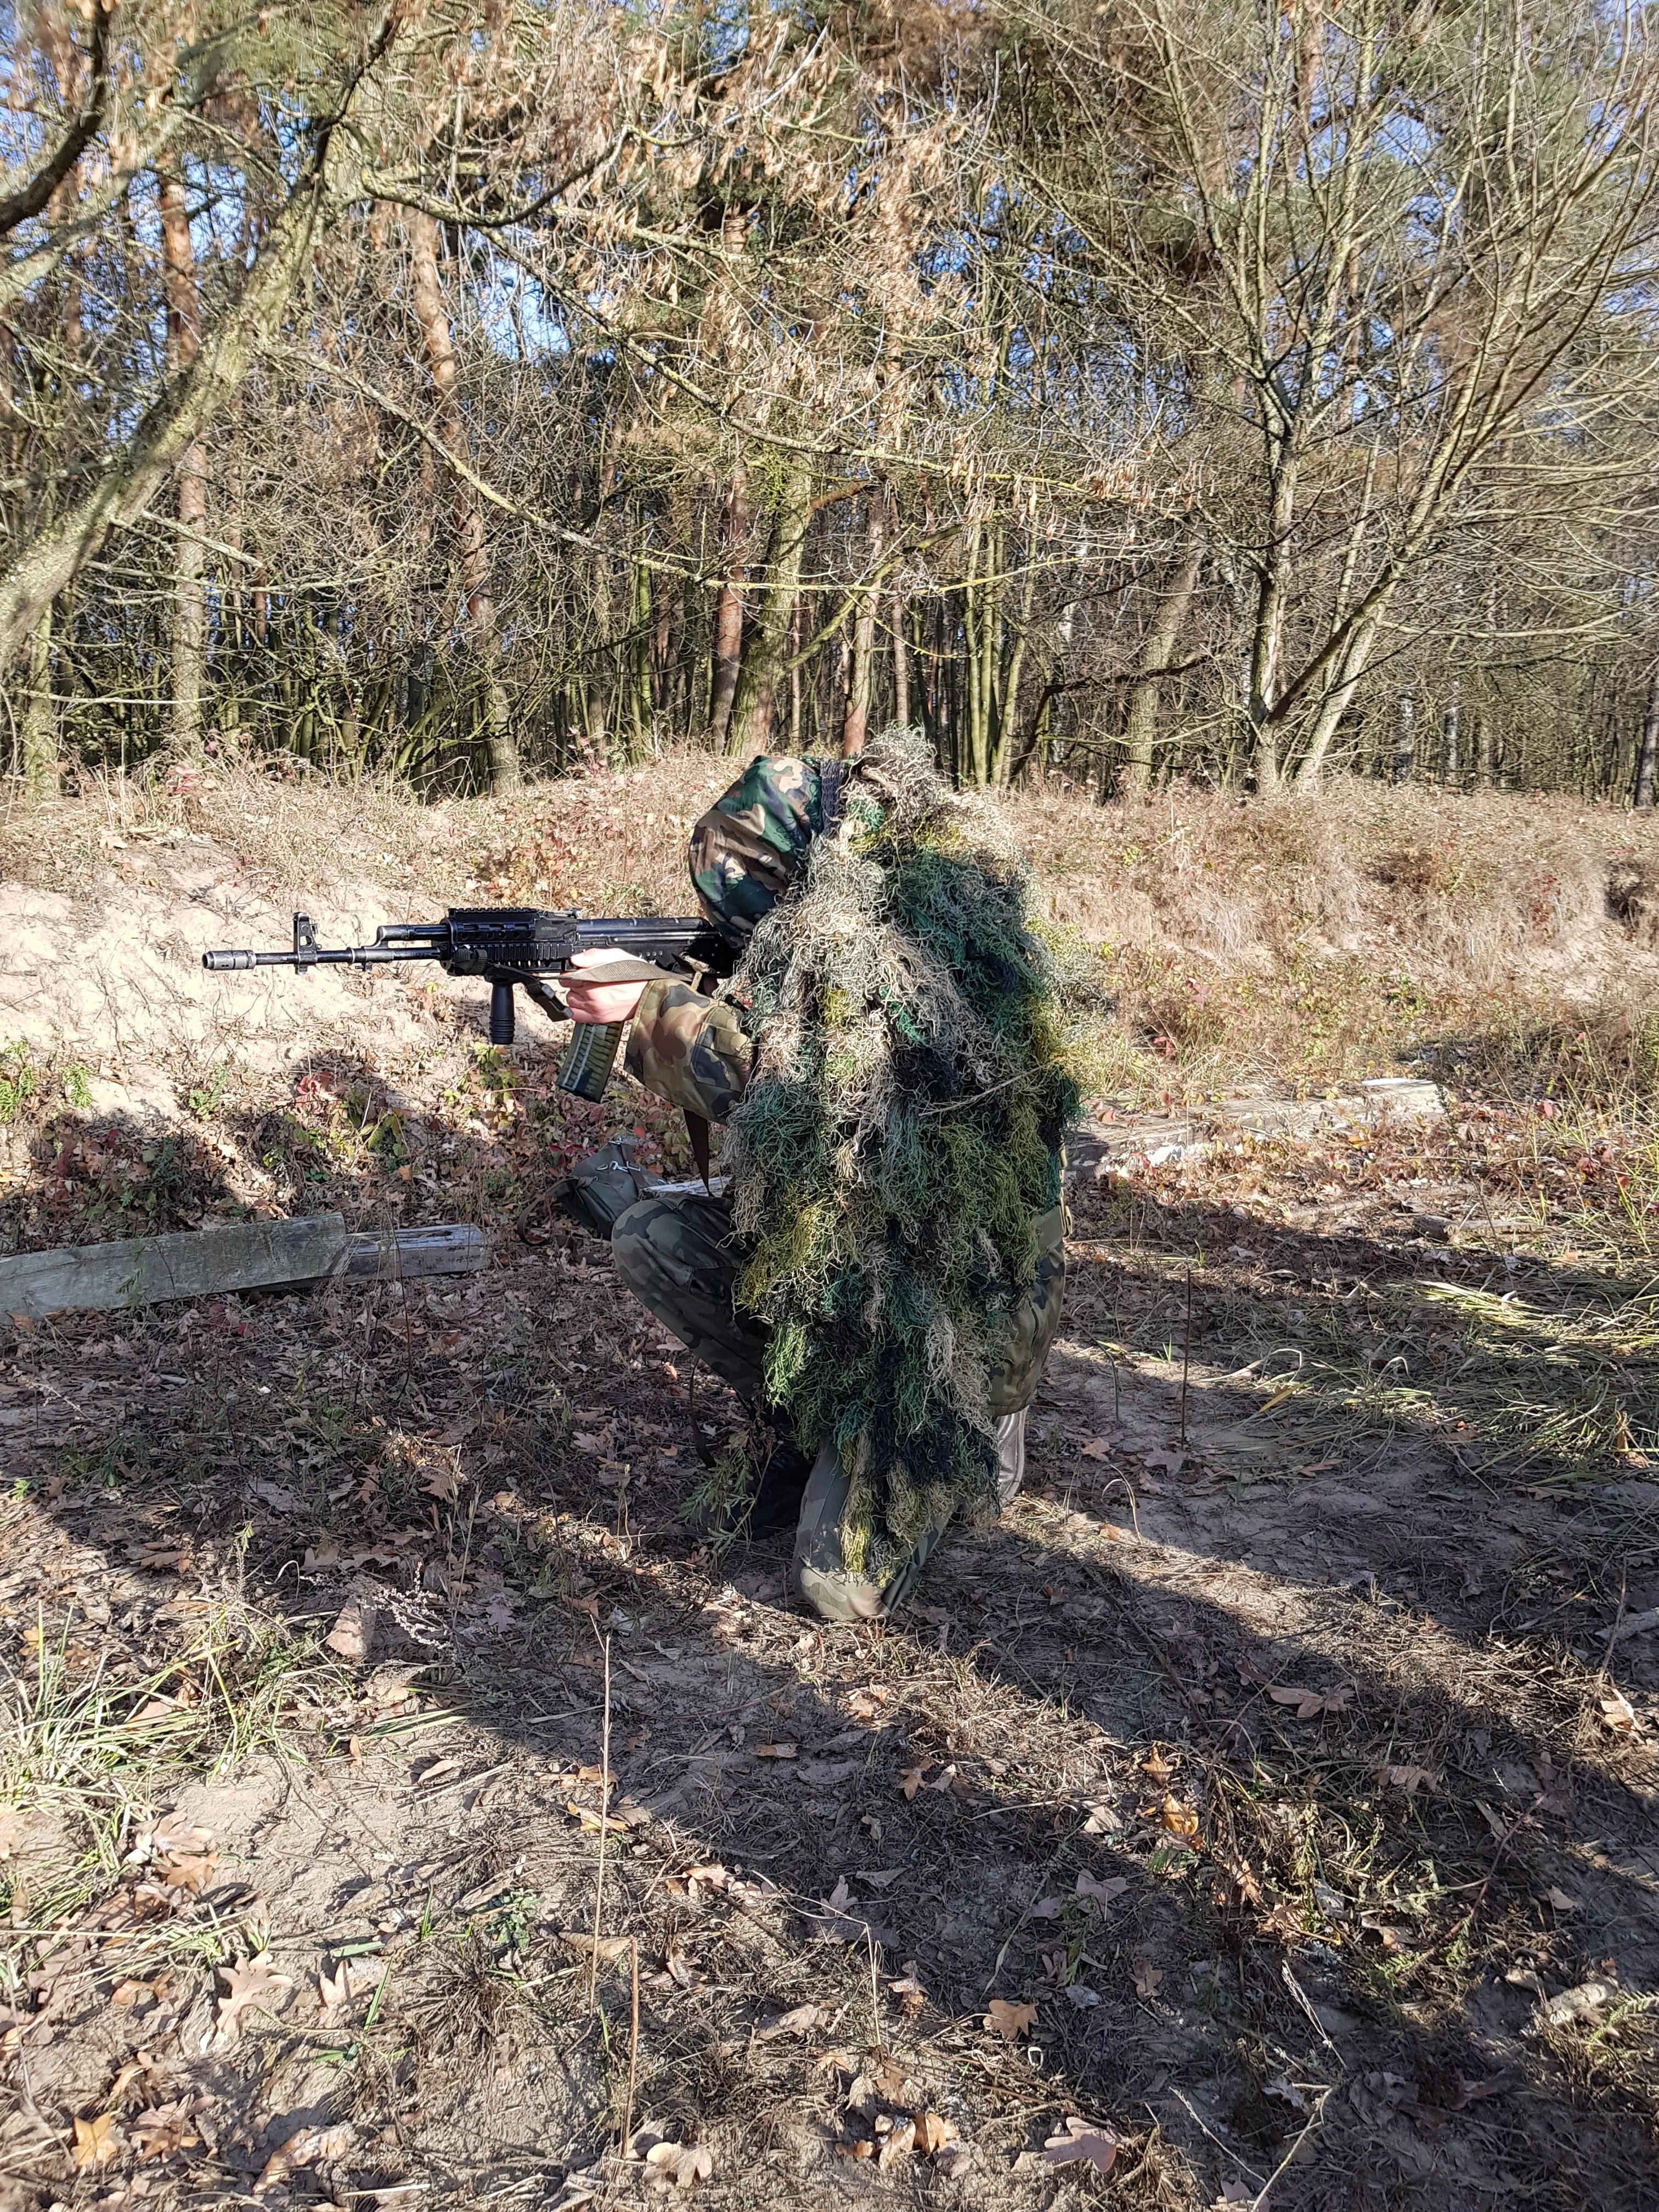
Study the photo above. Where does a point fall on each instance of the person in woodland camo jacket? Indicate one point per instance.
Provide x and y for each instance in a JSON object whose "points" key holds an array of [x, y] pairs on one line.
{"points": [[678, 1251]]}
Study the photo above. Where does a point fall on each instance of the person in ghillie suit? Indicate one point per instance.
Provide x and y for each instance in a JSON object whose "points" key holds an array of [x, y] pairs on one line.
{"points": [[882, 1276]]}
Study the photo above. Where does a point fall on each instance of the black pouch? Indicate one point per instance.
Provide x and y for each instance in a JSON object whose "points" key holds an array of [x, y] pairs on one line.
{"points": [[598, 1190]]}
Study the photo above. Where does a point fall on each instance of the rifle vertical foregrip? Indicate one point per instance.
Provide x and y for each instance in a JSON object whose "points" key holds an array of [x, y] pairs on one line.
{"points": [[589, 1058]]}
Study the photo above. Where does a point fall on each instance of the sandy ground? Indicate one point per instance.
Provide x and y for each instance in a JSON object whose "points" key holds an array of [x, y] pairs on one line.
{"points": [[1262, 1812]]}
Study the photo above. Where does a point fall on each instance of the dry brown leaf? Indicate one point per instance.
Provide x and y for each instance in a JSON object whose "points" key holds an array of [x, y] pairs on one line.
{"points": [[1147, 1977], [908, 1991], [173, 1835], [248, 1982], [165, 2129], [353, 1633], [911, 1779], [896, 2141], [192, 1871], [777, 1751], [801, 2021], [96, 2142], [1157, 1766], [444, 1483], [592, 1821], [682, 1968], [1561, 1901], [1096, 1448], [1618, 1714], [682, 2163], [933, 2132], [1180, 1816], [1103, 1893], [310, 2147], [1411, 1779], [1310, 1704], [1010, 2020], [1084, 2143]]}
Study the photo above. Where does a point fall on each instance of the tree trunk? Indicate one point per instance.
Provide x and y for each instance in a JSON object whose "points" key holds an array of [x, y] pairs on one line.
{"points": [[175, 420], [729, 615], [1141, 722], [38, 738], [767, 641], [1647, 760], [1405, 736], [856, 722], [190, 564], [472, 547], [1449, 727], [901, 667]]}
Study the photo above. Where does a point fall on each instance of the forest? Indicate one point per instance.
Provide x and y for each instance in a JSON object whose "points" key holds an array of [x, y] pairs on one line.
{"points": [[1119, 393]]}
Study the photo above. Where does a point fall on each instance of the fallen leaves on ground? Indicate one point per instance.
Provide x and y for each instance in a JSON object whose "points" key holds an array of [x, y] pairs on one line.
{"points": [[801, 2021], [1083, 2142], [96, 2142], [908, 1991], [1618, 1714], [1010, 2020], [1411, 1779], [1147, 1977], [1179, 1816], [248, 1982], [165, 2129], [191, 1871], [1311, 1704], [1103, 1893], [680, 2164], [1584, 1998], [309, 2147], [351, 1979]]}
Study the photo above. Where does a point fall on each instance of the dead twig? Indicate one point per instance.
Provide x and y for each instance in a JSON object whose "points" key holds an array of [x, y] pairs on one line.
{"points": [[604, 1825]]}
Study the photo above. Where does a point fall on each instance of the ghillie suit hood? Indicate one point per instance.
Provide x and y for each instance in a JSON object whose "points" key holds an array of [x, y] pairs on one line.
{"points": [[899, 1135]]}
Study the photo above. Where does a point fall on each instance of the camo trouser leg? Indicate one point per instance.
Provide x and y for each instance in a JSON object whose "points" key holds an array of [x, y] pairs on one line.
{"points": [[680, 1256]]}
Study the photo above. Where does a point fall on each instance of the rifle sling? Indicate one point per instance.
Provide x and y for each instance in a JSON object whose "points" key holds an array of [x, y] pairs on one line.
{"points": [[696, 1127]]}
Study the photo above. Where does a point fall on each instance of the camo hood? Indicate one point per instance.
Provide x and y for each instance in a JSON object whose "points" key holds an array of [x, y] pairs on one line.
{"points": [[750, 847]]}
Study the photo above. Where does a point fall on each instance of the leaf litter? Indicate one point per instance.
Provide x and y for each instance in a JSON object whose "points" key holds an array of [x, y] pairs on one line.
{"points": [[977, 1775]]}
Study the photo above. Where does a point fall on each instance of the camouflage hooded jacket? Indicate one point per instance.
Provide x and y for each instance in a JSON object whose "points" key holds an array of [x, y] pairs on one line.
{"points": [[745, 852]]}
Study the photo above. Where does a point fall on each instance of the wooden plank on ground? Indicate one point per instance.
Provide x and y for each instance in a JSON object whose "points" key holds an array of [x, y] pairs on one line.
{"points": [[234, 1255]]}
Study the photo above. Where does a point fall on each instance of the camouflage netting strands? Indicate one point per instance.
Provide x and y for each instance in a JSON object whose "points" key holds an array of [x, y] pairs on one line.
{"points": [[899, 1137]]}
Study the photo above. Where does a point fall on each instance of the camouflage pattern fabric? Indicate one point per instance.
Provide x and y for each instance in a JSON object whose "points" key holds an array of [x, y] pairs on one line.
{"points": [[689, 1049], [746, 850], [679, 1254]]}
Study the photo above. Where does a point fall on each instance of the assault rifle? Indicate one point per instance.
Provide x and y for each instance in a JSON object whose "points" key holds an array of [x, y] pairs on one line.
{"points": [[513, 946]]}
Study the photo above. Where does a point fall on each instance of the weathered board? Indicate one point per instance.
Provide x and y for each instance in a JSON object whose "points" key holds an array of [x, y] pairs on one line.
{"points": [[237, 1255]]}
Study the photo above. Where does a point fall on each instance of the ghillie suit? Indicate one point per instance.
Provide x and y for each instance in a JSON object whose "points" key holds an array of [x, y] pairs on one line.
{"points": [[898, 1137]]}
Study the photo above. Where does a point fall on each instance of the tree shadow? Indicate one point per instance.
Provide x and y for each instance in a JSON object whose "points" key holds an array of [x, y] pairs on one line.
{"points": [[1076, 1775]]}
